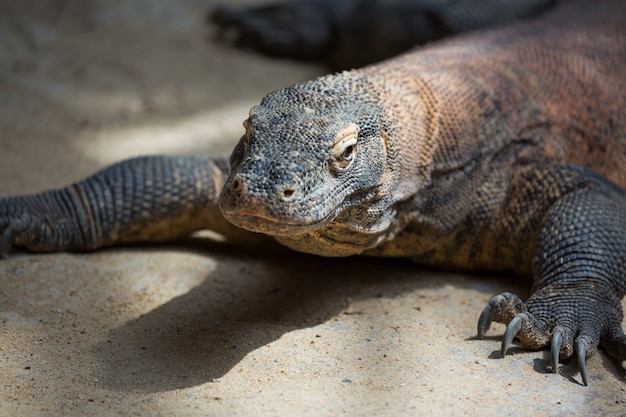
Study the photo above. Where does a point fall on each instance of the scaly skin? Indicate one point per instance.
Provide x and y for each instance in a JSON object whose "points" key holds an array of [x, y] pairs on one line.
{"points": [[501, 150], [146, 199]]}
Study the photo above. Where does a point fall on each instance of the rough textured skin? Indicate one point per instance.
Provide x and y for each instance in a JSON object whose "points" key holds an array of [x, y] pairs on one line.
{"points": [[352, 33], [501, 150]]}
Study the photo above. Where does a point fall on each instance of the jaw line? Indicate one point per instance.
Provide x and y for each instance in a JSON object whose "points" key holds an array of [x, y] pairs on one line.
{"points": [[270, 226], [258, 223]]}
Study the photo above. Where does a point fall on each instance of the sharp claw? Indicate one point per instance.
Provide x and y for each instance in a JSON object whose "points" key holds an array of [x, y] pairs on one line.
{"points": [[512, 329], [484, 322], [487, 316], [555, 348], [581, 352]]}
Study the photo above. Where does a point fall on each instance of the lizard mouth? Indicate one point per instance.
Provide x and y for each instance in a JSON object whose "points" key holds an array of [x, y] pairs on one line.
{"points": [[257, 222], [256, 218]]}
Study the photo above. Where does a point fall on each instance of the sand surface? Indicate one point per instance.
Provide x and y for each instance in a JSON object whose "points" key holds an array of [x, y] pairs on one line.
{"points": [[202, 327]]}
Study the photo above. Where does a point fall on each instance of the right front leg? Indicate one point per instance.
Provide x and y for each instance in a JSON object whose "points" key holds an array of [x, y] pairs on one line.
{"points": [[571, 222], [146, 199]]}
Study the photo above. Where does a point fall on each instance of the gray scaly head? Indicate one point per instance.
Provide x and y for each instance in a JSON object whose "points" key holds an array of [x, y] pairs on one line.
{"points": [[310, 167]]}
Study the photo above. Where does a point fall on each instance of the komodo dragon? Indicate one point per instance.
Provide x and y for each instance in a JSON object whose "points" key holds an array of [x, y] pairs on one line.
{"points": [[501, 150]]}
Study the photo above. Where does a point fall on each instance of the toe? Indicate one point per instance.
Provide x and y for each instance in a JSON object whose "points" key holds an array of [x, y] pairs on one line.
{"points": [[614, 341], [555, 348], [582, 351]]}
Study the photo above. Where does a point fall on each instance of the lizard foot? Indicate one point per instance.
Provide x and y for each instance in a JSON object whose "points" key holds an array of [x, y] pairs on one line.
{"points": [[569, 320], [18, 227], [300, 29], [41, 222]]}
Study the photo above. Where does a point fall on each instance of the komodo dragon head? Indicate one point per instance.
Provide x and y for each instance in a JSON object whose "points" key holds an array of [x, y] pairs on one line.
{"points": [[311, 169]]}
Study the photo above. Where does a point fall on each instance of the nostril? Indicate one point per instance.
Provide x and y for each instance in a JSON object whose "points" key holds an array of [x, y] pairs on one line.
{"points": [[286, 193], [236, 184]]}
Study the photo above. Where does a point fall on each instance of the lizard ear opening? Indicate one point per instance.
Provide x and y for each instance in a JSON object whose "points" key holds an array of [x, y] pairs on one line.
{"points": [[344, 149]]}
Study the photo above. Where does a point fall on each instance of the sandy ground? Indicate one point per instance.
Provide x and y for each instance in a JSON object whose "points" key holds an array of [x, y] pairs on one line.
{"points": [[204, 328]]}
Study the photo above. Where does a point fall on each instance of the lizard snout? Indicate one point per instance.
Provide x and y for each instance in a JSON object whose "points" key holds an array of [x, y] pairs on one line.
{"points": [[270, 205], [269, 196], [270, 191]]}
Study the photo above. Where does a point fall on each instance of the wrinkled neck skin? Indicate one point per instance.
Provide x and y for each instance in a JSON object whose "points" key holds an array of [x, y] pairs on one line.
{"points": [[369, 218]]}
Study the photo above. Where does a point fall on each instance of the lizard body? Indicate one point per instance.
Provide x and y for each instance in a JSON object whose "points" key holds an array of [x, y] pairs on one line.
{"points": [[449, 127], [500, 150]]}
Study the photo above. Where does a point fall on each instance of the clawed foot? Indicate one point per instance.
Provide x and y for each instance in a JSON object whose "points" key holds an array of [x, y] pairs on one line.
{"points": [[10, 224], [6, 242], [570, 321], [36, 222], [18, 228], [300, 29]]}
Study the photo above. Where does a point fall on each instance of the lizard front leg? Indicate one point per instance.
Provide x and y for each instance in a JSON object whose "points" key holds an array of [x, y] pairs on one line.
{"points": [[153, 198], [579, 268]]}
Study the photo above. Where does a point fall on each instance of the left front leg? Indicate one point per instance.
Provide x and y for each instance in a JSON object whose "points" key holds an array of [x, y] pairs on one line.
{"points": [[579, 269], [147, 199]]}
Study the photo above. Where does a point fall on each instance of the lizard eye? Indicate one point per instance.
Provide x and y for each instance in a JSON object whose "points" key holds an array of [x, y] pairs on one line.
{"points": [[345, 146]]}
